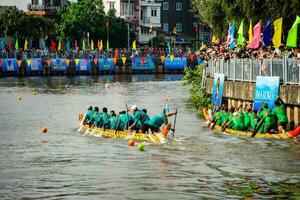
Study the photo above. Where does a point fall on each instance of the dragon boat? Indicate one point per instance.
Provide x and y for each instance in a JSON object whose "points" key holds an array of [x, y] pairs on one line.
{"points": [[286, 135], [157, 138]]}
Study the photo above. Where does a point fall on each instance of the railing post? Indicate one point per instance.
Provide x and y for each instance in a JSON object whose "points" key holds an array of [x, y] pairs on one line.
{"points": [[284, 67], [271, 67], [234, 66], [242, 69], [222, 66], [251, 70], [299, 72], [260, 66]]}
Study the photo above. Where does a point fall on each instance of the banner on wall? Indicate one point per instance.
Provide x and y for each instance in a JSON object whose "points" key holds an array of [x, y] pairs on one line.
{"points": [[217, 90], [140, 64], [266, 90], [106, 64], [176, 63], [83, 65], [58, 64], [10, 65], [34, 64]]}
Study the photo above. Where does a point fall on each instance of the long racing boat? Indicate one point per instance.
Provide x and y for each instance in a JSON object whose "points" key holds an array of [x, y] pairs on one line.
{"points": [[286, 135], [157, 138]]}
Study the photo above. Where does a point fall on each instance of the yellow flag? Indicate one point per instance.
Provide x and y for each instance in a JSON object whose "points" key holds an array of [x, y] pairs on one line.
{"points": [[277, 32], [124, 60], [59, 46], [92, 45], [28, 62], [213, 39], [134, 45], [26, 44], [250, 34], [172, 57], [101, 45], [77, 61]]}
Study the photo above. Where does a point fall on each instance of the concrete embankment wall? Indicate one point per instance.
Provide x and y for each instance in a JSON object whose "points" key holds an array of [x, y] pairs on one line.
{"points": [[237, 92]]}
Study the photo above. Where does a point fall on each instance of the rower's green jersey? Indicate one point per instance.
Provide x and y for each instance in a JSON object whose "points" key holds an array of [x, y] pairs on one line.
{"points": [[237, 122], [280, 112], [96, 115], [253, 120], [113, 122], [89, 115], [98, 119], [124, 120], [216, 115], [223, 116], [269, 118], [158, 120], [247, 119], [105, 118], [140, 118]]}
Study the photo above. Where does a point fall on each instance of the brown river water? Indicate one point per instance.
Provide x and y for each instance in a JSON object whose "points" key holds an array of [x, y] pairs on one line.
{"points": [[63, 164]]}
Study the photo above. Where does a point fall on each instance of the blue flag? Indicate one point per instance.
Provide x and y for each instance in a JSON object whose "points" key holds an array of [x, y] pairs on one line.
{"points": [[68, 46], [169, 48], [231, 30], [43, 44], [2, 44], [267, 33], [36, 44]]}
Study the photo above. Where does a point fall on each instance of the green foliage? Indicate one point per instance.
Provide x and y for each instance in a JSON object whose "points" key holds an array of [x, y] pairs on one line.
{"points": [[14, 22], [218, 13], [157, 41], [199, 99]]}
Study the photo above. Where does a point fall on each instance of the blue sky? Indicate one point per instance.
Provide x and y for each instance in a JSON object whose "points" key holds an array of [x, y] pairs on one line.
{"points": [[21, 4]]}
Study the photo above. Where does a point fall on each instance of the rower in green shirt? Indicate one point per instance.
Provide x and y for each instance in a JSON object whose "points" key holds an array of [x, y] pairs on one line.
{"points": [[280, 113], [269, 120], [124, 120], [88, 116], [140, 118], [113, 120]]}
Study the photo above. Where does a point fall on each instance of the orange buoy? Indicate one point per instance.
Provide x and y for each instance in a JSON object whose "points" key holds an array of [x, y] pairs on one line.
{"points": [[131, 143], [80, 116], [44, 130]]}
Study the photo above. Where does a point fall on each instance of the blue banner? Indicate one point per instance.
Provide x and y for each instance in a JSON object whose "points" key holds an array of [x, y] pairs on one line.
{"points": [[200, 61], [177, 63], [34, 64], [266, 90], [138, 64], [58, 64], [83, 65], [217, 90], [106, 64], [10, 65]]}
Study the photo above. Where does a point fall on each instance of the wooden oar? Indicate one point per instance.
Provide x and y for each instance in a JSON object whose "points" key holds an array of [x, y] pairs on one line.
{"points": [[173, 130]]}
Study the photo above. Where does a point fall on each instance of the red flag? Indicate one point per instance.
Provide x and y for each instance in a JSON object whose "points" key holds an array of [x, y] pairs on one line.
{"points": [[53, 45], [76, 45], [197, 28], [143, 59], [107, 24], [10, 45]]}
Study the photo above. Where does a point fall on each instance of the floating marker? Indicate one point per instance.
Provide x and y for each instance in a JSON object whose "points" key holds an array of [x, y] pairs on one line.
{"points": [[131, 143], [44, 130], [140, 147]]}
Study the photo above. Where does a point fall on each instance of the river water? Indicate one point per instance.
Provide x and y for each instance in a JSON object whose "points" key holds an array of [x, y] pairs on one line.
{"points": [[63, 164]]}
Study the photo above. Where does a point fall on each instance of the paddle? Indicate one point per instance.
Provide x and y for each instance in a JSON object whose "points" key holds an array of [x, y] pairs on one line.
{"points": [[173, 129], [260, 123], [127, 116], [224, 126], [217, 118]]}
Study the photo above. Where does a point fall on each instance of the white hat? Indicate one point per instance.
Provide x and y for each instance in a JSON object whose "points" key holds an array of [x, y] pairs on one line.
{"points": [[134, 107]]}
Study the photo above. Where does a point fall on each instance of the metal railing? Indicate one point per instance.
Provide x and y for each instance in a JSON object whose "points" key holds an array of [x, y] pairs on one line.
{"points": [[247, 69]]}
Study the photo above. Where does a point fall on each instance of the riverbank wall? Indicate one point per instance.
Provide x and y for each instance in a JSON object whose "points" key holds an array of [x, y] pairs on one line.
{"points": [[239, 92]]}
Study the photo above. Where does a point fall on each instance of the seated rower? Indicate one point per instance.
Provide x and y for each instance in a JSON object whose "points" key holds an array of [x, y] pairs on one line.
{"points": [[140, 118], [156, 122], [88, 116], [280, 113], [124, 121], [113, 120], [105, 118], [266, 120]]}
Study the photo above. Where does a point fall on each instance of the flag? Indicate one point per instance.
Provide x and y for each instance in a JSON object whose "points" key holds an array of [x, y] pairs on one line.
{"points": [[292, 36], [107, 24], [197, 28], [92, 45], [250, 34], [241, 39], [228, 35], [169, 48], [213, 39], [59, 45], [25, 44], [53, 45], [17, 44], [2, 44], [101, 45], [277, 33], [68, 47], [10, 45], [83, 45], [256, 36], [231, 44], [76, 44], [267, 33], [134, 45], [174, 30], [107, 45]]}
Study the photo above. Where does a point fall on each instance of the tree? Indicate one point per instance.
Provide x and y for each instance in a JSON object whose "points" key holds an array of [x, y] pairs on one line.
{"points": [[157, 41]]}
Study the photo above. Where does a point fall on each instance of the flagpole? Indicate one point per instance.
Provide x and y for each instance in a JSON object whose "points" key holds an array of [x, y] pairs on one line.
{"points": [[128, 26]]}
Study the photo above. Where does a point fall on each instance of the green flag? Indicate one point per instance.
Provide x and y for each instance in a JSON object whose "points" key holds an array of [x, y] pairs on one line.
{"points": [[17, 44], [241, 39], [83, 45], [292, 37], [107, 45]]}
